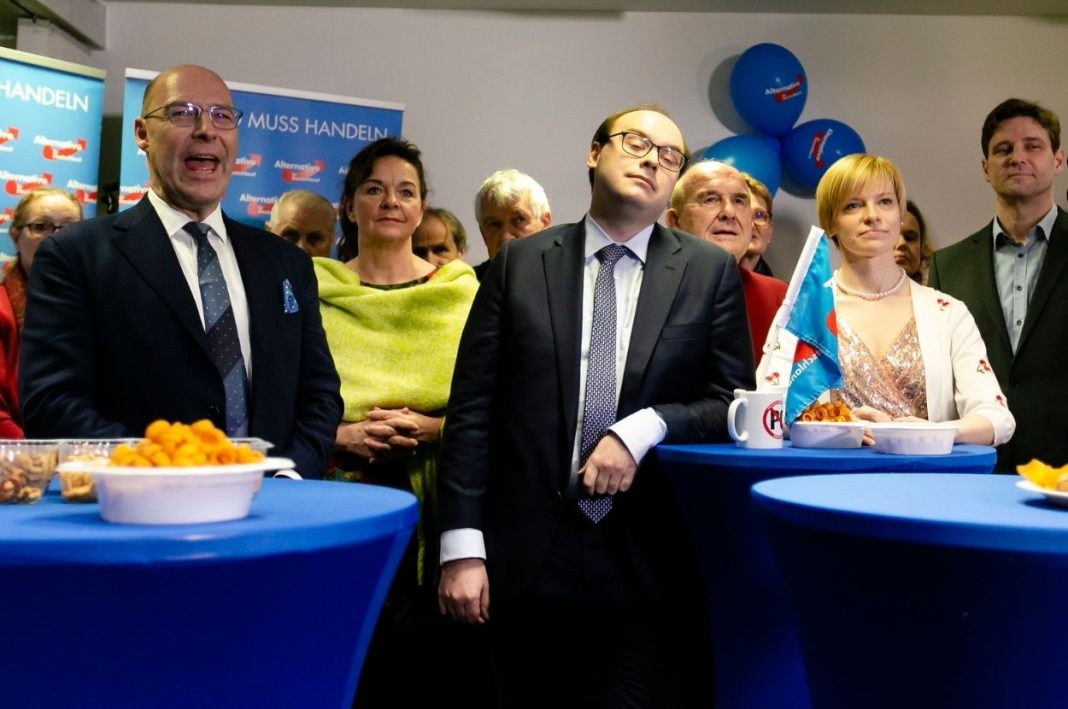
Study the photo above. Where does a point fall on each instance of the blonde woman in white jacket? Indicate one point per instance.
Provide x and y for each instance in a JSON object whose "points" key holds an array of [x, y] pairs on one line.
{"points": [[908, 352]]}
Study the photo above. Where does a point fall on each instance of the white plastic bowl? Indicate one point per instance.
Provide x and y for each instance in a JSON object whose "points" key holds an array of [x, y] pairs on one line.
{"points": [[827, 434], [192, 495], [919, 438]]}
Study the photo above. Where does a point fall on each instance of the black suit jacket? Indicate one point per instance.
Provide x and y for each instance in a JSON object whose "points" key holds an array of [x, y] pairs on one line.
{"points": [[113, 339], [512, 416], [1035, 379]]}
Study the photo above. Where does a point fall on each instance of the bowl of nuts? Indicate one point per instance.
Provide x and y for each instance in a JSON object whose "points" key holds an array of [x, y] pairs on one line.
{"points": [[26, 469], [75, 482]]}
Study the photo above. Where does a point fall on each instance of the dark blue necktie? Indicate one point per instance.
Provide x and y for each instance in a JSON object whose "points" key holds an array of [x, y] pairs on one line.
{"points": [[221, 330], [599, 411]]}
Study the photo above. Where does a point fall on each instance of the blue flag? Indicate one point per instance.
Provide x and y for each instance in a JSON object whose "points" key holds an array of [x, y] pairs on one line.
{"points": [[812, 320]]}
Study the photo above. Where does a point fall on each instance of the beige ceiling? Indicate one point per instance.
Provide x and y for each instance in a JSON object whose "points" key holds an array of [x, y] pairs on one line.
{"points": [[882, 7]]}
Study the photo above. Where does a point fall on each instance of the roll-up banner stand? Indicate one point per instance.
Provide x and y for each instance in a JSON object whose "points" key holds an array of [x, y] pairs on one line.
{"points": [[288, 140], [51, 112]]}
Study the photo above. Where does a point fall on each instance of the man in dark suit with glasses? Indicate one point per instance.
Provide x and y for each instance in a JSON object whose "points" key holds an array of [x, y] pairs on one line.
{"points": [[172, 310], [587, 345]]}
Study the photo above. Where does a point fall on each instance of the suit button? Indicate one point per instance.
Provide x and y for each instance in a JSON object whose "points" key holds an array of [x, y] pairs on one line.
{"points": [[214, 412]]}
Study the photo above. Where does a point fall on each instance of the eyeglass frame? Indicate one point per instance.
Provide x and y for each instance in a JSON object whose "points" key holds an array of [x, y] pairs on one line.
{"points": [[37, 229], [200, 110], [659, 149], [767, 217]]}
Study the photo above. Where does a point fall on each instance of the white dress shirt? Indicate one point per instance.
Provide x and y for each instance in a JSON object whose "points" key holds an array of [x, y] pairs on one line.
{"points": [[640, 431], [185, 248]]}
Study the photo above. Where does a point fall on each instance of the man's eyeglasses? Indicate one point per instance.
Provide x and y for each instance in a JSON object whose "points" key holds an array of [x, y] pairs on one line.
{"points": [[638, 146], [761, 217], [41, 229], [186, 115]]}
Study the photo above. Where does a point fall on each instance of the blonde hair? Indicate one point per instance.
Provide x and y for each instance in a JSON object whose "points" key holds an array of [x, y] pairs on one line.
{"points": [[845, 177], [758, 189], [33, 195]]}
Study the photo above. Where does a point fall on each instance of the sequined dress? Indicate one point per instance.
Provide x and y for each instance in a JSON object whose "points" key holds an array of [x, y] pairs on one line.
{"points": [[895, 384]]}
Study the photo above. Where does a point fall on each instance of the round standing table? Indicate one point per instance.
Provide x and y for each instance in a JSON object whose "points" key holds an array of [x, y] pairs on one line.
{"points": [[924, 590], [273, 610], [757, 656]]}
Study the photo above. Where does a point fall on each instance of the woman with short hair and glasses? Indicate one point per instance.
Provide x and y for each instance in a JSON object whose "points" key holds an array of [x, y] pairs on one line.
{"points": [[763, 227], [39, 214]]}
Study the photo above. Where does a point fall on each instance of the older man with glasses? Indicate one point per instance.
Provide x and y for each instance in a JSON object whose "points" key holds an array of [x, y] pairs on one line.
{"points": [[172, 310], [712, 201]]}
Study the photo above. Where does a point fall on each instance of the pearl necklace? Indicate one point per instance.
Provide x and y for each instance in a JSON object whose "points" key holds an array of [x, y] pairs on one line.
{"points": [[871, 296]]}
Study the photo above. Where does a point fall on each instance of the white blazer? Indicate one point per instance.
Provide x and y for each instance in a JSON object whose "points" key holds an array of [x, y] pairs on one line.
{"points": [[960, 380]]}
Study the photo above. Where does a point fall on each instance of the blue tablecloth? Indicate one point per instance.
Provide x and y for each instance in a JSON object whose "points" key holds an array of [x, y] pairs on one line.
{"points": [[824, 460], [757, 654], [923, 590], [273, 610]]}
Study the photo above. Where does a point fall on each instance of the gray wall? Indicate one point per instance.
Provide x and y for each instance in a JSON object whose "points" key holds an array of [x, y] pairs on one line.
{"points": [[486, 90]]}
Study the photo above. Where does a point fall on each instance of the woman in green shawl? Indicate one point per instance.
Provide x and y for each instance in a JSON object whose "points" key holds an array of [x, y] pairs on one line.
{"points": [[393, 323]]}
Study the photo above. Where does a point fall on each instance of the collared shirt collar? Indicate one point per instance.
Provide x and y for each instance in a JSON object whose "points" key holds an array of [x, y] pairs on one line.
{"points": [[174, 221], [597, 239], [1001, 237]]}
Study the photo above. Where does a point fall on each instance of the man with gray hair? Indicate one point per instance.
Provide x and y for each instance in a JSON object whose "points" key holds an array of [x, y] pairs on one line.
{"points": [[306, 220], [712, 201], [509, 205]]}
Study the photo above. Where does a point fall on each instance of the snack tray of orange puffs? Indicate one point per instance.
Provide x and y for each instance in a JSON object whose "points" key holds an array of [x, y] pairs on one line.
{"points": [[1045, 480], [178, 474]]}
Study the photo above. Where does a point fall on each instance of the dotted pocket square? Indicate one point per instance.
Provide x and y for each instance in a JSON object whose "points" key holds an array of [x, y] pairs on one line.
{"points": [[289, 301]]}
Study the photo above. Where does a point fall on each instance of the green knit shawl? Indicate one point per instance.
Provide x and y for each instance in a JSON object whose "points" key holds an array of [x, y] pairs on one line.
{"points": [[395, 348]]}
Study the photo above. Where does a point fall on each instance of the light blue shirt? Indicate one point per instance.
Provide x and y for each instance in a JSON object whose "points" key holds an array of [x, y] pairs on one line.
{"points": [[1016, 269]]}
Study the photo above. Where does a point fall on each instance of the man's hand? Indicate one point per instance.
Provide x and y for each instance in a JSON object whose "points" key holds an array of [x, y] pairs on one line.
{"points": [[463, 592], [609, 469]]}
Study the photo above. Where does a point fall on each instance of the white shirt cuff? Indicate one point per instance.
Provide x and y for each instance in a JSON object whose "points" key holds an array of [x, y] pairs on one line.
{"points": [[462, 544], [291, 474], [640, 431]]}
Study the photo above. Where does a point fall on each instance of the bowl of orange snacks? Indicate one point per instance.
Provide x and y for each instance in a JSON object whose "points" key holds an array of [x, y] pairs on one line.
{"points": [[1047, 480], [180, 474], [826, 425]]}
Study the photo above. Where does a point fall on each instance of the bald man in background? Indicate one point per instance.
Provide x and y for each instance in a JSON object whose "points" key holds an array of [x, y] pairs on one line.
{"points": [[306, 220]]}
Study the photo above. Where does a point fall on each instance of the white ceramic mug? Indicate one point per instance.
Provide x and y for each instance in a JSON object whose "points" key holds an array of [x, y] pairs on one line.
{"points": [[755, 418]]}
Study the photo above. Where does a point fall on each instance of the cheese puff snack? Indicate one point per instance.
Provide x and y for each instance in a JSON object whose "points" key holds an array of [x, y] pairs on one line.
{"points": [[1045, 475], [182, 446], [833, 411]]}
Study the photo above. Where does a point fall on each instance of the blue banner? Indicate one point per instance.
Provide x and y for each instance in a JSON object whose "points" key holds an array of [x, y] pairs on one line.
{"points": [[49, 131], [288, 140], [812, 320]]}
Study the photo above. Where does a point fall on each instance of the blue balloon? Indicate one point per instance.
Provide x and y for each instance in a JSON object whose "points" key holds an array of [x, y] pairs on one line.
{"points": [[769, 87], [757, 155], [814, 146]]}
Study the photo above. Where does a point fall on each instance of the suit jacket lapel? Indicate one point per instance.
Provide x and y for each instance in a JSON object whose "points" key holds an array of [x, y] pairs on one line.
{"points": [[263, 293], [563, 263], [1053, 267], [986, 290], [664, 268], [142, 240]]}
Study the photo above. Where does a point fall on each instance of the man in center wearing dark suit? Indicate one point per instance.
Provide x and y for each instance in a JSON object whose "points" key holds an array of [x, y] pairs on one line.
{"points": [[1013, 275], [172, 310], [562, 534]]}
